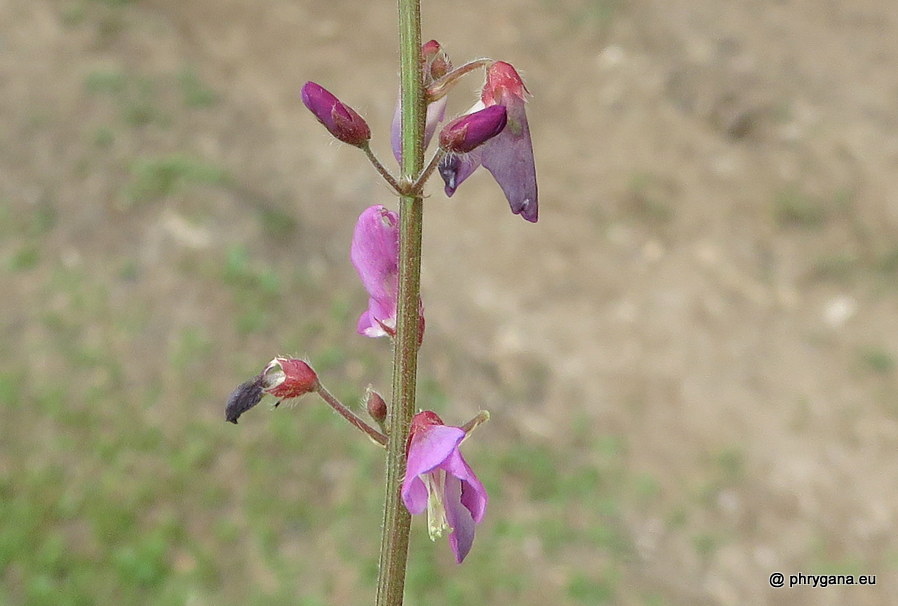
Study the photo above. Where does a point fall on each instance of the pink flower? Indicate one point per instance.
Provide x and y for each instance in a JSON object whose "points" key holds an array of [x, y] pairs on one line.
{"points": [[338, 118], [436, 64], [509, 155], [375, 255], [438, 480]]}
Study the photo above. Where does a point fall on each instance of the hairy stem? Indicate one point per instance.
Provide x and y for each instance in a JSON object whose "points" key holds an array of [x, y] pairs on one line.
{"points": [[351, 416], [418, 186], [438, 89], [397, 521], [391, 181]]}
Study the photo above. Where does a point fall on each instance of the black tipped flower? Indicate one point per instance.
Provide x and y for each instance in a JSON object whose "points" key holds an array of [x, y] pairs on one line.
{"points": [[283, 378], [470, 131], [337, 117]]}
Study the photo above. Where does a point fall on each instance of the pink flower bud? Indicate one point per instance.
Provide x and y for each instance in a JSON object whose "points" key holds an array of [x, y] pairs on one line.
{"points": [[338, 118], [286, 378], [467, 132]]}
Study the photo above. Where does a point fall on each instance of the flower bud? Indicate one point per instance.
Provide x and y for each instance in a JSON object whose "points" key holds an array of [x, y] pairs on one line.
{"points": [[376, 406], [468, 132], [288, 378], [338, 118]]}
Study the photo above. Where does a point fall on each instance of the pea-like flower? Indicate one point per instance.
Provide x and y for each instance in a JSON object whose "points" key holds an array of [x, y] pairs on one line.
{"points": [[509, 155], [375, 255], [438, 480]]}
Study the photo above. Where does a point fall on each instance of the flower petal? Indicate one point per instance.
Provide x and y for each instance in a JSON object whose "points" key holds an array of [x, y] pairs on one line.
{"points": [[375, 251], [509, 157], [375, 255], [379, 319], [415, 495], [455, 168], [473, 494], [428, 449], [431, 447], [459, 519], [369, 326]]}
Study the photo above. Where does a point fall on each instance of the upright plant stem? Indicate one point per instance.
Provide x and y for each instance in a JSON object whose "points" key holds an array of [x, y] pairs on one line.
{"points": [[396, 523]]}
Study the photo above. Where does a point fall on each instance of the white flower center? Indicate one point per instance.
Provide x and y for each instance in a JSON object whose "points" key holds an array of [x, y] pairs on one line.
{"points": [[436, 511], [273, 375]]}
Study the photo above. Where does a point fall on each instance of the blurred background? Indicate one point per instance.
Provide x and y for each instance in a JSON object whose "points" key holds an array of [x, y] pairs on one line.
{"points": [[690, 360]]}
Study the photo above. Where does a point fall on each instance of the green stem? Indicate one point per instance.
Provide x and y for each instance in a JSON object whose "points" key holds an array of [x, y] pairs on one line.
{"points": [[397, 521]]}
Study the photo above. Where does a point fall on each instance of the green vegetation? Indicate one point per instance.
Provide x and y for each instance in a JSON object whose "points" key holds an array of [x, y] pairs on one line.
{"points": [[157, 177], [195, 93], [878, 360], [888, 262], [106, 81], [648, 197], [276, 223], [794, 208]]}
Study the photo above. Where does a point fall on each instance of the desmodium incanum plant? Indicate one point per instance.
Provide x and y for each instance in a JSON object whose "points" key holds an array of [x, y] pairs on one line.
{"points": [[425, 469]]}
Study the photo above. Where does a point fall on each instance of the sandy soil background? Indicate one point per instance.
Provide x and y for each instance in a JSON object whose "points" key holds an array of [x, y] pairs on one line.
{"points": [[710, 292]]}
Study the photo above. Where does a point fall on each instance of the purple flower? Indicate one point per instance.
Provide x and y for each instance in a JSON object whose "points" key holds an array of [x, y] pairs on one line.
{"points": [[509, 155], [375, 255], [338, 118], [438, 479], [466, 133], [436, 64]]}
